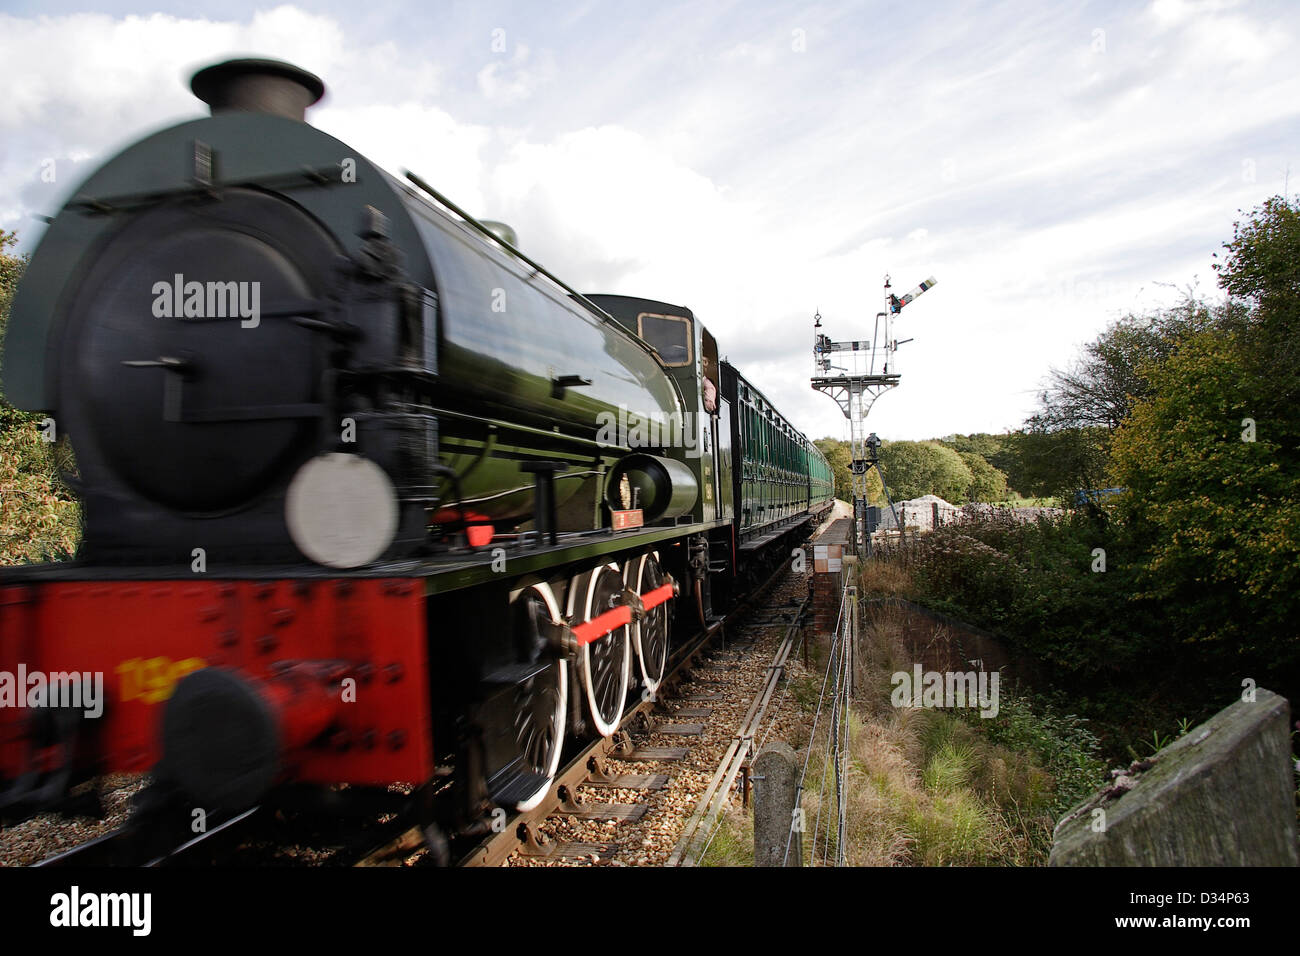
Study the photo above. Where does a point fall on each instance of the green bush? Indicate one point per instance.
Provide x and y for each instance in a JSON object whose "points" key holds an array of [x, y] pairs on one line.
{"points": [[40, 519], [1088, 637]]}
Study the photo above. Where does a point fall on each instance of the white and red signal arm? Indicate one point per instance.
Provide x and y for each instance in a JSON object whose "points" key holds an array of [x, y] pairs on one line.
{"points": [[896, 303]]}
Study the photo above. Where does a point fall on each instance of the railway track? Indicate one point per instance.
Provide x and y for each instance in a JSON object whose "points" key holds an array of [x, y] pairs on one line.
{"points": [[118, 847], [258, 836], [745, 679], [661, 769], [694, 840]]}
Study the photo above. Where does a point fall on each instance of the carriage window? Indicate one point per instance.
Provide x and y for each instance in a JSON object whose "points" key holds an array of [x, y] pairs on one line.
{"points": [[669, 335]]}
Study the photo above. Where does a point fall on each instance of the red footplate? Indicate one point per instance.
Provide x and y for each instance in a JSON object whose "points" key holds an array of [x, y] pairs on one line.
{"points": [[337, 670]]}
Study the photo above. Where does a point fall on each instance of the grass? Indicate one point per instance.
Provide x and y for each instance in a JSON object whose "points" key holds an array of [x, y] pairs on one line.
{"points": [[927, 787], [902, 812], [885, 579], [732, 843]]}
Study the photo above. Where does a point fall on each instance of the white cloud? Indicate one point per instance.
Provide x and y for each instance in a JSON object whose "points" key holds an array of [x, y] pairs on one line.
{"points": [[103, 73], [424, 139], [751, 53], [610, 194], [515, 80], [1217, 38], [83, 86], [693, 157], [1170, 13]]}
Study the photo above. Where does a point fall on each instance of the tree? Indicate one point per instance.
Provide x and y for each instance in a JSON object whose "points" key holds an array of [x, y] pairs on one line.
{"points": [[987, 483], [1064, 446], [1057, 461], [1220, 515], [840, 457], [1263, 271], [11, 270], [1098, 390], [981, 443], [914, 468], [1211, 459], [985, 454], [1263, 258], [39, 517]]}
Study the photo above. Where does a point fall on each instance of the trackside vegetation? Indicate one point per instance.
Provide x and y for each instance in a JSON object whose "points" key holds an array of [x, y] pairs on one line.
{"points": [[40, 519], [929, 787]]}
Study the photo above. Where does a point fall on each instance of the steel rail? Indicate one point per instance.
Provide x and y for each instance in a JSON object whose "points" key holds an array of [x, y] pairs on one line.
{"points": [[120, 846], [709, 808]]}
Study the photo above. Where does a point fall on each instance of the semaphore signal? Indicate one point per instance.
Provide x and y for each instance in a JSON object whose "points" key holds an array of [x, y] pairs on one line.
{"points": [[858, 385], [896, 304]]}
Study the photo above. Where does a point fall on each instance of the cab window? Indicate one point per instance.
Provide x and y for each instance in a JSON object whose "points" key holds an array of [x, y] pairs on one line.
{"points": [[669, 335]]}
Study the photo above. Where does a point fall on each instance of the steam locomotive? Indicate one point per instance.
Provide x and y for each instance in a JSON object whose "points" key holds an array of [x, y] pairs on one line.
{"points": [[366, 491]]}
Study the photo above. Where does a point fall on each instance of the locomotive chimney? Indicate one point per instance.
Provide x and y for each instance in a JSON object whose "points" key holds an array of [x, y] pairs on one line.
{"points": [[258, 86]]}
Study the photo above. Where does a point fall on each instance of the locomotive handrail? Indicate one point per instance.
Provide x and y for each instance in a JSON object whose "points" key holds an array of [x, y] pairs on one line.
{"points": [[290, 179], [529, 429]]}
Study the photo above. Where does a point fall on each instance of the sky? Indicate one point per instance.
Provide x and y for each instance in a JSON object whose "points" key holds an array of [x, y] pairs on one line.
{"points": [[1053, 165]]}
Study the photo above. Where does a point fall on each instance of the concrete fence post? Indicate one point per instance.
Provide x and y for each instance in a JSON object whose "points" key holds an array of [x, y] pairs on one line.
{"points": [[778, 824], [1221, 795]]}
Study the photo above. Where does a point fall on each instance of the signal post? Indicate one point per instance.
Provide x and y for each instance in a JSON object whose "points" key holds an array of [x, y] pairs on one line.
{"points": [[864, 377]]}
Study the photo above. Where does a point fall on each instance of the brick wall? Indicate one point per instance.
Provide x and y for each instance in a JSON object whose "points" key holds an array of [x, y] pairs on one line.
{"points": [[826, 588]]}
